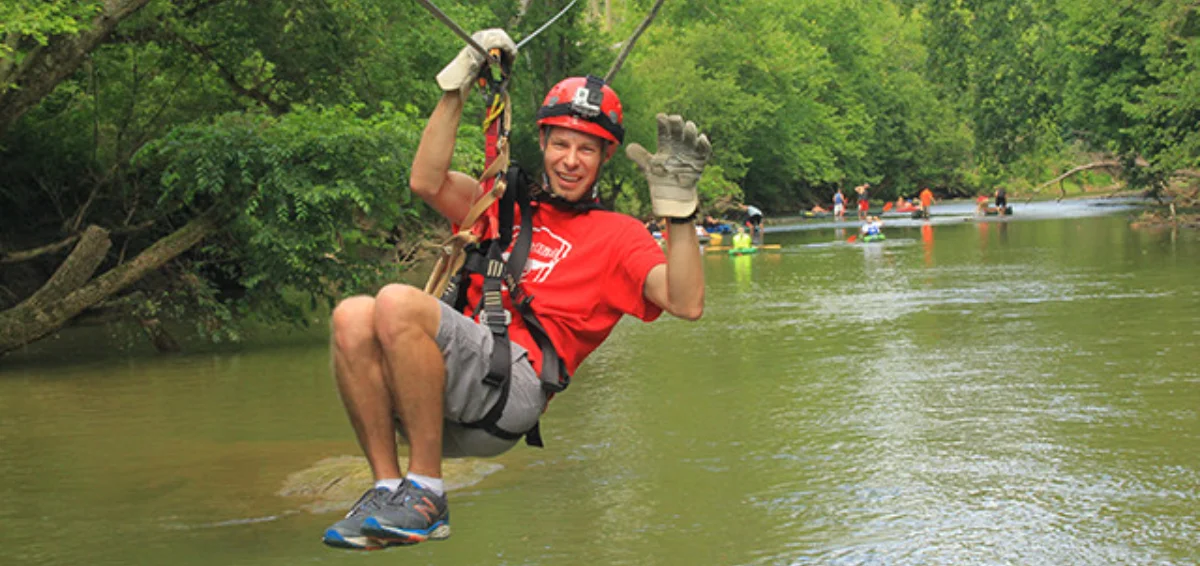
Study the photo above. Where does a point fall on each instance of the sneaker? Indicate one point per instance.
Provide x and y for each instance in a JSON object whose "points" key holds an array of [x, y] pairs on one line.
{"points": [[348, 533], [410, 515]]}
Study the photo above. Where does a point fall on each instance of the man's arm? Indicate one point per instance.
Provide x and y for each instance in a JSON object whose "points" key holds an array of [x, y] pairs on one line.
{"points": [[451, 193], [678, 285]]}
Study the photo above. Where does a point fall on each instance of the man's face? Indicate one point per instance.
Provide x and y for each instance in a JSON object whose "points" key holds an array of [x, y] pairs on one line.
{"points": [[571, 160]]}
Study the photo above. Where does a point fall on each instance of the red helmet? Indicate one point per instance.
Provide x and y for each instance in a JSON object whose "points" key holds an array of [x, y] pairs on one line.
{"points": [[585, 105]]}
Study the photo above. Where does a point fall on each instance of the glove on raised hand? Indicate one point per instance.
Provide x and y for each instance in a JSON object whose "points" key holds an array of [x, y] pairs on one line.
{"points": [[461, 73], [674, 171]]}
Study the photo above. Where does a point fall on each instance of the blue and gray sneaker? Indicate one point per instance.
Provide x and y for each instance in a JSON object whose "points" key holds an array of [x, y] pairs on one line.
{"points": [[348, 533], [412, 514]]}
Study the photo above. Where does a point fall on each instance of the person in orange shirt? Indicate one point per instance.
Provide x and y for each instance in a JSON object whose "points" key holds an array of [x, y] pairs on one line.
{"points": [[926, 197]]}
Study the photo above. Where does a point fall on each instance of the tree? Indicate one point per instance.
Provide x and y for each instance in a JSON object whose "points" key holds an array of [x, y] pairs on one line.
{"points": [[264, 132]]}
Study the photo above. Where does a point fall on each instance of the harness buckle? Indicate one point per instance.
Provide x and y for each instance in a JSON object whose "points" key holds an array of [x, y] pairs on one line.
{"points": [[486, 320]]}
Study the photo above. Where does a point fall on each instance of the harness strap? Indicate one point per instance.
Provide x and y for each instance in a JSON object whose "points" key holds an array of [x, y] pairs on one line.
{"points": [[451, 254], [498, 274]]}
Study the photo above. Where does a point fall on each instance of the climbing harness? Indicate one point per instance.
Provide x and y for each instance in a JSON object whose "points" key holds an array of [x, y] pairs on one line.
{"points": [[485, 259]]}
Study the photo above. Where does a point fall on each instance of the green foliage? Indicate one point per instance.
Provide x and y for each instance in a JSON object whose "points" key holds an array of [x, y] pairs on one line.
{"points": [[29, 24], [308, 193], [298, 119]]}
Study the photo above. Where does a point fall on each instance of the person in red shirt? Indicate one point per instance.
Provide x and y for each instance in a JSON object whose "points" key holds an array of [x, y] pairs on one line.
{"points": [[407, 363], [863, 201]]}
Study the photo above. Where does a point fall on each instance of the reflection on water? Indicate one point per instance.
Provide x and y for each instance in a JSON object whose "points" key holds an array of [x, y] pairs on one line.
{"points": [[1020, 392]]}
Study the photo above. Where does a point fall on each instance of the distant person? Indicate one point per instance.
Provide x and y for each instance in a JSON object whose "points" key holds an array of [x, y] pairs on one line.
{"points": [[872, 227], [753, 221], [1001, 201], [742, 240], [839, 206], [818, 209], [926, 198], [981, 205], [863, 202]]}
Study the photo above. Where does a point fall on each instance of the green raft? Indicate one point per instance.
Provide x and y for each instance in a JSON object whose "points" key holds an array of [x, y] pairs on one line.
{"points": [[743, 251], [874, 238]]}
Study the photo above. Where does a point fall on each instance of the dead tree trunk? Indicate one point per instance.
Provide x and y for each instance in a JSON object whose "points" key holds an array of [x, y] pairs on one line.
{"points": [[71, 290]]}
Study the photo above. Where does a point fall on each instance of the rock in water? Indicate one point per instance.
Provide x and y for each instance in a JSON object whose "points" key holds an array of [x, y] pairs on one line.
{"points": [[334, 484]]}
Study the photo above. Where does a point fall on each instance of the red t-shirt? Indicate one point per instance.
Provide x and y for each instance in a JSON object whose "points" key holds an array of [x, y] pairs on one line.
{"points": [[584, 271], [926, 198]]}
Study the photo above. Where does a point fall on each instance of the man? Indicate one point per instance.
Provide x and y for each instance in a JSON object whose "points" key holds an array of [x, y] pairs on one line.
{"points": [[863, 203], [926, 201], [839, 206], [872, 228], [1001, 201], [407, 363], [753, 221]]}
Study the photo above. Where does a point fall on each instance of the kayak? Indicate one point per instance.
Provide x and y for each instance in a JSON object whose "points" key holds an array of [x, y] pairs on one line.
{"points": [[874, 238], [742, 251], [763, 247]]}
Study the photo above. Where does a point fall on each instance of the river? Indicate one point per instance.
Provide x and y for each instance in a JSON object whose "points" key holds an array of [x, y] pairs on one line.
{"points": [[1020, 391]]}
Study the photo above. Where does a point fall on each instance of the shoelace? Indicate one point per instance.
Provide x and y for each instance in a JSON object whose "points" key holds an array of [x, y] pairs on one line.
{"points": [[370, 501], [401, 496]]}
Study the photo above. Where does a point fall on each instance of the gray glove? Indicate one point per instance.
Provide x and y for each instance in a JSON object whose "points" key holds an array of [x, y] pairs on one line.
{"points": [[674, 171], [461, 73]]}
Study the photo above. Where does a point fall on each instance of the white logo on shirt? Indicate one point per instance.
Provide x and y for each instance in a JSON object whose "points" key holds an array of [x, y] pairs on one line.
{"points": [[544, 253]]}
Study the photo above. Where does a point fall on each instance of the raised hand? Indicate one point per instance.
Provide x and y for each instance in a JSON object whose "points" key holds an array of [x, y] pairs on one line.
{"points": [[461, 73], [675, 170]]}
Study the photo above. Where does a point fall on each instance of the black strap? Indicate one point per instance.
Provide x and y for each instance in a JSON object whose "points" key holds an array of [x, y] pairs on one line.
{"points": [[493, 314], [602, 119]]}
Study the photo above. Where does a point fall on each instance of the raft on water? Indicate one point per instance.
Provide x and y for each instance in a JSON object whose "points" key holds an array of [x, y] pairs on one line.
{"points": [[993, 211]]}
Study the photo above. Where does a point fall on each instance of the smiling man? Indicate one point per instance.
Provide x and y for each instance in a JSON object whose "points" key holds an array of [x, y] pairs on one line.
{"points": [[457, 384]]}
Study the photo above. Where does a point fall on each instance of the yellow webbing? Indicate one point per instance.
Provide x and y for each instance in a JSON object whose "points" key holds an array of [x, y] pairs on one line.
{"points": [[451, 255]]}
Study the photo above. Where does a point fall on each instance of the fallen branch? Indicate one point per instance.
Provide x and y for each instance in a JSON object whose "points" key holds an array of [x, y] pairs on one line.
{"points": [[57, 305], [26, 255], [1107, 164]]}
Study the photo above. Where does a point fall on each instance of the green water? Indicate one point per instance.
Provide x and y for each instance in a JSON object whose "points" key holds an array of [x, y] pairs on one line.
{"points": [[992, 393]]}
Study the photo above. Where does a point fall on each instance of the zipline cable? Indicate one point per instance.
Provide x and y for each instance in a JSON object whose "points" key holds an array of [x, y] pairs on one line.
{"points": [[546, 25], [458, 30]]}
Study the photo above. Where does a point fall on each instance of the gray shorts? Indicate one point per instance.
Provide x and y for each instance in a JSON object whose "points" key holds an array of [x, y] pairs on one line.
{"points": [[467, 350]]}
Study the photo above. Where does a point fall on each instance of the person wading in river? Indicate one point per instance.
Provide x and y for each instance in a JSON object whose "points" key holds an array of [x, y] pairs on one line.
{"points": [[408, 363]]}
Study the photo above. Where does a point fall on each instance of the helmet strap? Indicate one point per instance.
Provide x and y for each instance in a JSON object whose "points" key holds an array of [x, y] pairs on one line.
{"points": [[543, 193]]}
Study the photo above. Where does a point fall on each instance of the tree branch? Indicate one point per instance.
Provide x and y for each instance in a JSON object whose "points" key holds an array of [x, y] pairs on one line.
{"points": [[24, 86], [1107, 164], [26, 255], [616, 66], [231, 79]]}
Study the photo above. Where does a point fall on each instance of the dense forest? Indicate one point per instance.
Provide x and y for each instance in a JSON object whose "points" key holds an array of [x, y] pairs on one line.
{"points": [[213, 162]]}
